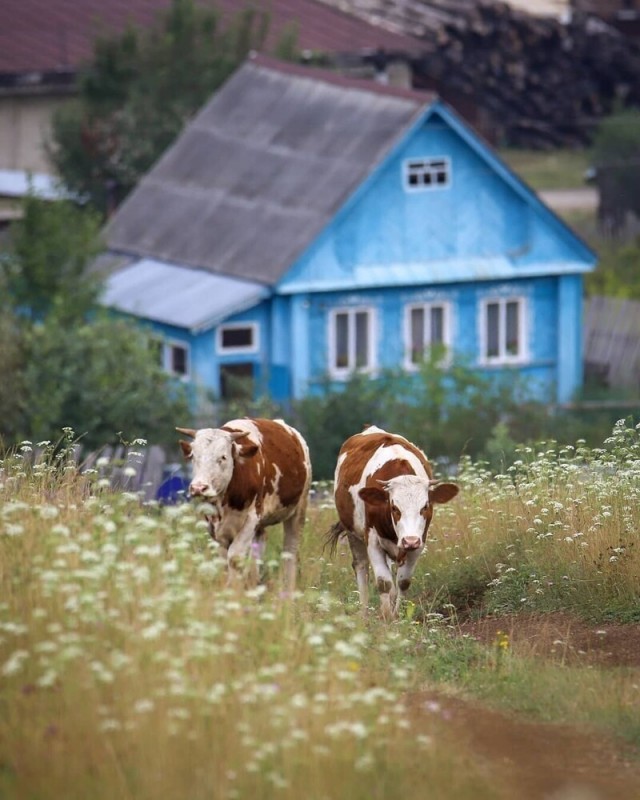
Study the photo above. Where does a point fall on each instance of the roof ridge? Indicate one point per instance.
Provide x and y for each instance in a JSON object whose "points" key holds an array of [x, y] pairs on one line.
{"points": [[339, 79]]}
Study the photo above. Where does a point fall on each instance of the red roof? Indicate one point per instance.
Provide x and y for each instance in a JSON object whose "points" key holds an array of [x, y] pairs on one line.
{"points": [[50, 35]]}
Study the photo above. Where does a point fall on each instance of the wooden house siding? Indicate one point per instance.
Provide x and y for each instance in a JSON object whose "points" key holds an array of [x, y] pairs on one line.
{"points": [[339, 244]]}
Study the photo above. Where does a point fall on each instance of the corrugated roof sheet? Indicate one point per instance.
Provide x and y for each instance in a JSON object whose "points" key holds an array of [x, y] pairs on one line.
{"points": [[49, 35], [175, 295], [262, 170]]}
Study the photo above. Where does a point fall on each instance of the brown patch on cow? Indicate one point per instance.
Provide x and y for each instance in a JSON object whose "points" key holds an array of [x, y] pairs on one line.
{"points": [[443, 492], [256, 473], [359, 449]]}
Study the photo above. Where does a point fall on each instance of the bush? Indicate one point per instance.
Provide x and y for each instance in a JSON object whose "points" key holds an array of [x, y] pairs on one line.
{"points": [[450, 411]]}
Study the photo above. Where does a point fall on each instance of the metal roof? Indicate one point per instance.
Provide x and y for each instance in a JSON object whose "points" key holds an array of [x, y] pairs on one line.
{"points": [[55, 35], [262, 169], [175, 295], [18, 183]]}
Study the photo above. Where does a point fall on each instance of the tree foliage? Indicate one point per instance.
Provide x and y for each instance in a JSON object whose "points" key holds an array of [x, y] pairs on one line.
{"points": [[451, 410], [64, 362], [139, 90], [51, 245]]}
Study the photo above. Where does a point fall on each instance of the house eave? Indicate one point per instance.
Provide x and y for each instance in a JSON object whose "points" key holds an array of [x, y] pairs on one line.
{"points": [[378, 276]]}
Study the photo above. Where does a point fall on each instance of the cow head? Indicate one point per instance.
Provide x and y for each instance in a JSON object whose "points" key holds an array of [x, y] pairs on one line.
{"points": [[409, 501], [214, 453]]}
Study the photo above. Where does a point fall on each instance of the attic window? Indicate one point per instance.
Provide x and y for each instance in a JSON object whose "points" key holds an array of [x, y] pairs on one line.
{"points": [[427, 173]]}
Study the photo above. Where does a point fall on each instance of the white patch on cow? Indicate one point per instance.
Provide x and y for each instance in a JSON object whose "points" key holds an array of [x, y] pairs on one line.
{"points": [[372, 429], [410, 494], [382, 456], [212, 459]]}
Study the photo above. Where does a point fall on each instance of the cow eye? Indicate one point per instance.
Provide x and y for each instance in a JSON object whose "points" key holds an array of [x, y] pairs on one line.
{"points": [[395, 510]]}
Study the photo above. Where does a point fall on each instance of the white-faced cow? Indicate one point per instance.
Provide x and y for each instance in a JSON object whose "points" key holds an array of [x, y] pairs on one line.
{"points": [[255, 473], [385, 494]]}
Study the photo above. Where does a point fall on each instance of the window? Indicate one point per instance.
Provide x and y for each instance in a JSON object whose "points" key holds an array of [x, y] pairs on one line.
{"points": [[351, 340], [236, 382], [172, 356], [425, 325], [503, 330], [237, 338], [427, 173]]}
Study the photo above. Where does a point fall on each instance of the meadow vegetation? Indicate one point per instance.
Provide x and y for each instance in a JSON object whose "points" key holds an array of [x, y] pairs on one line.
{"points": [[127, 668]]}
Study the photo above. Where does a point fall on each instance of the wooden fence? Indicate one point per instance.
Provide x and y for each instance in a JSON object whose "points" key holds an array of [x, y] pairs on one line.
{"points": [[137, 469], [612, 342]]}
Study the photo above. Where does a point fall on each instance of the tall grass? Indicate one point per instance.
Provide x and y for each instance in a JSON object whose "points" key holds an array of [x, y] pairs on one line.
{"points": [[558, 531], [127, 668]]}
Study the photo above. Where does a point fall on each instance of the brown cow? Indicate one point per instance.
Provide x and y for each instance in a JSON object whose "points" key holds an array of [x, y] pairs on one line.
{"points": [[256, 473], [384, 494]]}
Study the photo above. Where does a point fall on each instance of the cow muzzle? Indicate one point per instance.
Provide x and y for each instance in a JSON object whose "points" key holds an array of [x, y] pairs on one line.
{"points": [[410, 543], [200, 489]]}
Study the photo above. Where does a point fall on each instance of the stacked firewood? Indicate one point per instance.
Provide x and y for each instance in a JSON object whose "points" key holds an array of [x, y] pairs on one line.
{"points": [[540, 82]]}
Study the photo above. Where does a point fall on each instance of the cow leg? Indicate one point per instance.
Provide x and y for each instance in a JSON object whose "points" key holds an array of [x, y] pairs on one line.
{"points": [[360, 564], [404, 576], [292, 530], [384, 578], [239, 555]]}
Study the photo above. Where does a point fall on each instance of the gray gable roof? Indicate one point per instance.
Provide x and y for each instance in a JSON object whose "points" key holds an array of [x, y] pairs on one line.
{"points": [[262, 169]]}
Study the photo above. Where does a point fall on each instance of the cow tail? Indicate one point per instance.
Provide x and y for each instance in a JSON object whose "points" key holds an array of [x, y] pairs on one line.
{"points": [[332, 536]]}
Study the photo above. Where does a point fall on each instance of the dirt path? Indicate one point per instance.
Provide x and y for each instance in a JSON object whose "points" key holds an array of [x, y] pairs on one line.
{"points": [[584, 199], [563, 637], [544, 761], [535, 761]]}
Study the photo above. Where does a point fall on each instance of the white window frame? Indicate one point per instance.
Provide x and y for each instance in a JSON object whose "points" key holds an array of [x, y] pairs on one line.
{"points": [[342, 373], [503, 357], [229, 351], [427, 308], [168, 345], [426, 165]]}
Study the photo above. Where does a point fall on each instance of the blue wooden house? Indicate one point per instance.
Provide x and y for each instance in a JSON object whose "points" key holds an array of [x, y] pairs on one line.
{"points": [[307, 225]]}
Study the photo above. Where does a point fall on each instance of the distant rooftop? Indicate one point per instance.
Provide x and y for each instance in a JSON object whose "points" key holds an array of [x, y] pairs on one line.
{"points": [[57, 35], [262, 169]]}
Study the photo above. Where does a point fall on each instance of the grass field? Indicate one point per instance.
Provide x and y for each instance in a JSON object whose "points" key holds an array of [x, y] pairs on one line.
{"points": [[128, 669], [554, 169]]}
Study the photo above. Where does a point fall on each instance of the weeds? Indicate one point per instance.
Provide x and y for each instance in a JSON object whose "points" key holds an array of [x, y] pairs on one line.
{"points": [[127, 668]]}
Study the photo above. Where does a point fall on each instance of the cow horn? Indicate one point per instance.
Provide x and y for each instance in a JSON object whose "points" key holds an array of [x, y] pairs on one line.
{"points": [[187, 432], [235, 435]]}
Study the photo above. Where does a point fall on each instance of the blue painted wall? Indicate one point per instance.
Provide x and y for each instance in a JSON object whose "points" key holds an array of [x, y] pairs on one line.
{"points": [[403, 241], [484, 235]]}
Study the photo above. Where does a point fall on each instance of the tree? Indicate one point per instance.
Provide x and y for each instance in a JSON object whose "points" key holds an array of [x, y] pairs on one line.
{"points": [[100, 379], [139, 90], [616, 157], [45, 268], [64, 361]]}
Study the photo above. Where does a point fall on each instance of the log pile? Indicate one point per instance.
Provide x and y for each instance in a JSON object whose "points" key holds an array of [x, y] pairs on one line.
{"points": [[541, 82]]}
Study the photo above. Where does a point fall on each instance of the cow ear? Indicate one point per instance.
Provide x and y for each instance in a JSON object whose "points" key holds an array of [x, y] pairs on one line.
{"points": [[373, 496], [186, 448], [248, 451], [443, 492]]}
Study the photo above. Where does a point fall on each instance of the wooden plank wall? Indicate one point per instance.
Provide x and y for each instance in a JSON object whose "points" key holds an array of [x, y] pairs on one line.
{"points": [[612, 342]]}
